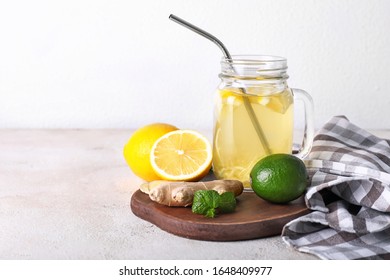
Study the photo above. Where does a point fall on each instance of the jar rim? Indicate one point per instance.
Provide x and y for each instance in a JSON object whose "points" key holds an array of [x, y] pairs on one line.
{"points": [[265, 67], [253, 59]]}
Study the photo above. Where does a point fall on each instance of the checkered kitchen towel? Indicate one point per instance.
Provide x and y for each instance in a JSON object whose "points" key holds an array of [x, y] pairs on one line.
{"points": [[349, 194]]}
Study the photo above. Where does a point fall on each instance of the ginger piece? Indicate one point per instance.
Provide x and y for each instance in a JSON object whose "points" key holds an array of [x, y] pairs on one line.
{"points": [[147, 186], [182, 193]]}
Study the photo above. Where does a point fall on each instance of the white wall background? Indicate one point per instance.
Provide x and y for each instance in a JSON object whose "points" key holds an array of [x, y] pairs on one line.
{"points": [[122, 64]]}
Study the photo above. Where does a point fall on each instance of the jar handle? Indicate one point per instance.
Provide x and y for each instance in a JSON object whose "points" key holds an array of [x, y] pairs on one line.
{"points": [[308, 134]]}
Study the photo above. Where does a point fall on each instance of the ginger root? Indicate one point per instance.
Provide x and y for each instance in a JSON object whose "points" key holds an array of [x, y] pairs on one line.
{"points": [[148, 186], [182, 193]]}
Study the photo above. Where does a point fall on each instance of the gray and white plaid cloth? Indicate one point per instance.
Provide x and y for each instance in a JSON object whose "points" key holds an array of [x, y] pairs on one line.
{"points": [[349, 196]]}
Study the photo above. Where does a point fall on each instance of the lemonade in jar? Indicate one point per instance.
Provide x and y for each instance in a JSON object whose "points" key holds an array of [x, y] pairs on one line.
{"points": [[254, 115]]}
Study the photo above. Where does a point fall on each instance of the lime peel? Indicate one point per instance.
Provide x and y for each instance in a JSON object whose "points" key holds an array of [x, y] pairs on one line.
{"points": [[279, 178]]}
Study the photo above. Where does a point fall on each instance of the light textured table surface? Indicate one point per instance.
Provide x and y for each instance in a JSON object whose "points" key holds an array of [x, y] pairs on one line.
{"points": [[64, 194]]}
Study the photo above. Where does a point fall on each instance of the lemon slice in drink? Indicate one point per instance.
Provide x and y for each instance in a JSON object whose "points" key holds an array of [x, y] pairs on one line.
{"points": [[181, 155]]}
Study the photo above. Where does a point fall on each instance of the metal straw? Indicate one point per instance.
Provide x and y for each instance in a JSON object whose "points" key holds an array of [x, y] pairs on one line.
{"points": [[227, 55]]}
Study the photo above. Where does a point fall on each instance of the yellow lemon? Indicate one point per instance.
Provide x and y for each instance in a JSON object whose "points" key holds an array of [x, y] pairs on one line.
{"points": [[138, 148], [181, 155]]}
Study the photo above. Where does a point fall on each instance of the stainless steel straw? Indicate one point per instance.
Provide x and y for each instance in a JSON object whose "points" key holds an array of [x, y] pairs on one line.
{"points": [[227, 55]]}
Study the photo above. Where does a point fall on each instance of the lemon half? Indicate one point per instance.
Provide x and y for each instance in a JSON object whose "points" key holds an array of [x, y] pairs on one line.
{"points": [[181, 155]]}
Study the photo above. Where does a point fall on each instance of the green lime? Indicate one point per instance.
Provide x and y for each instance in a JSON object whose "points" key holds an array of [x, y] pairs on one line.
{"points": [[279, 178]]}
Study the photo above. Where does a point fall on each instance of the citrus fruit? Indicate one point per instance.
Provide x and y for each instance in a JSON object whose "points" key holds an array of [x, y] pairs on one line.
{"points": [[181, 155], [137, 150], [279, 178]]}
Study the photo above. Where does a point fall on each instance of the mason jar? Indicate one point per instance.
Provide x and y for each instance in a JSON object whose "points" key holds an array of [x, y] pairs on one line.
{"points": [[254, 115]]}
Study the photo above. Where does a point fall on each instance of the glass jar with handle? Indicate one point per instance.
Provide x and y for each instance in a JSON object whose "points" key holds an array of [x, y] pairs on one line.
{"points": [[254, 115]]}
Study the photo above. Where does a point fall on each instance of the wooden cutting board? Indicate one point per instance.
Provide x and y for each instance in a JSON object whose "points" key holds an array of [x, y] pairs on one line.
{"points": [[253, 218]]}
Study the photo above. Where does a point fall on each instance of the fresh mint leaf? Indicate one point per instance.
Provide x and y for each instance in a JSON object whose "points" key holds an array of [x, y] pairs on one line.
{"points": [[210, 213], [227, 202], [205, 202]]}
